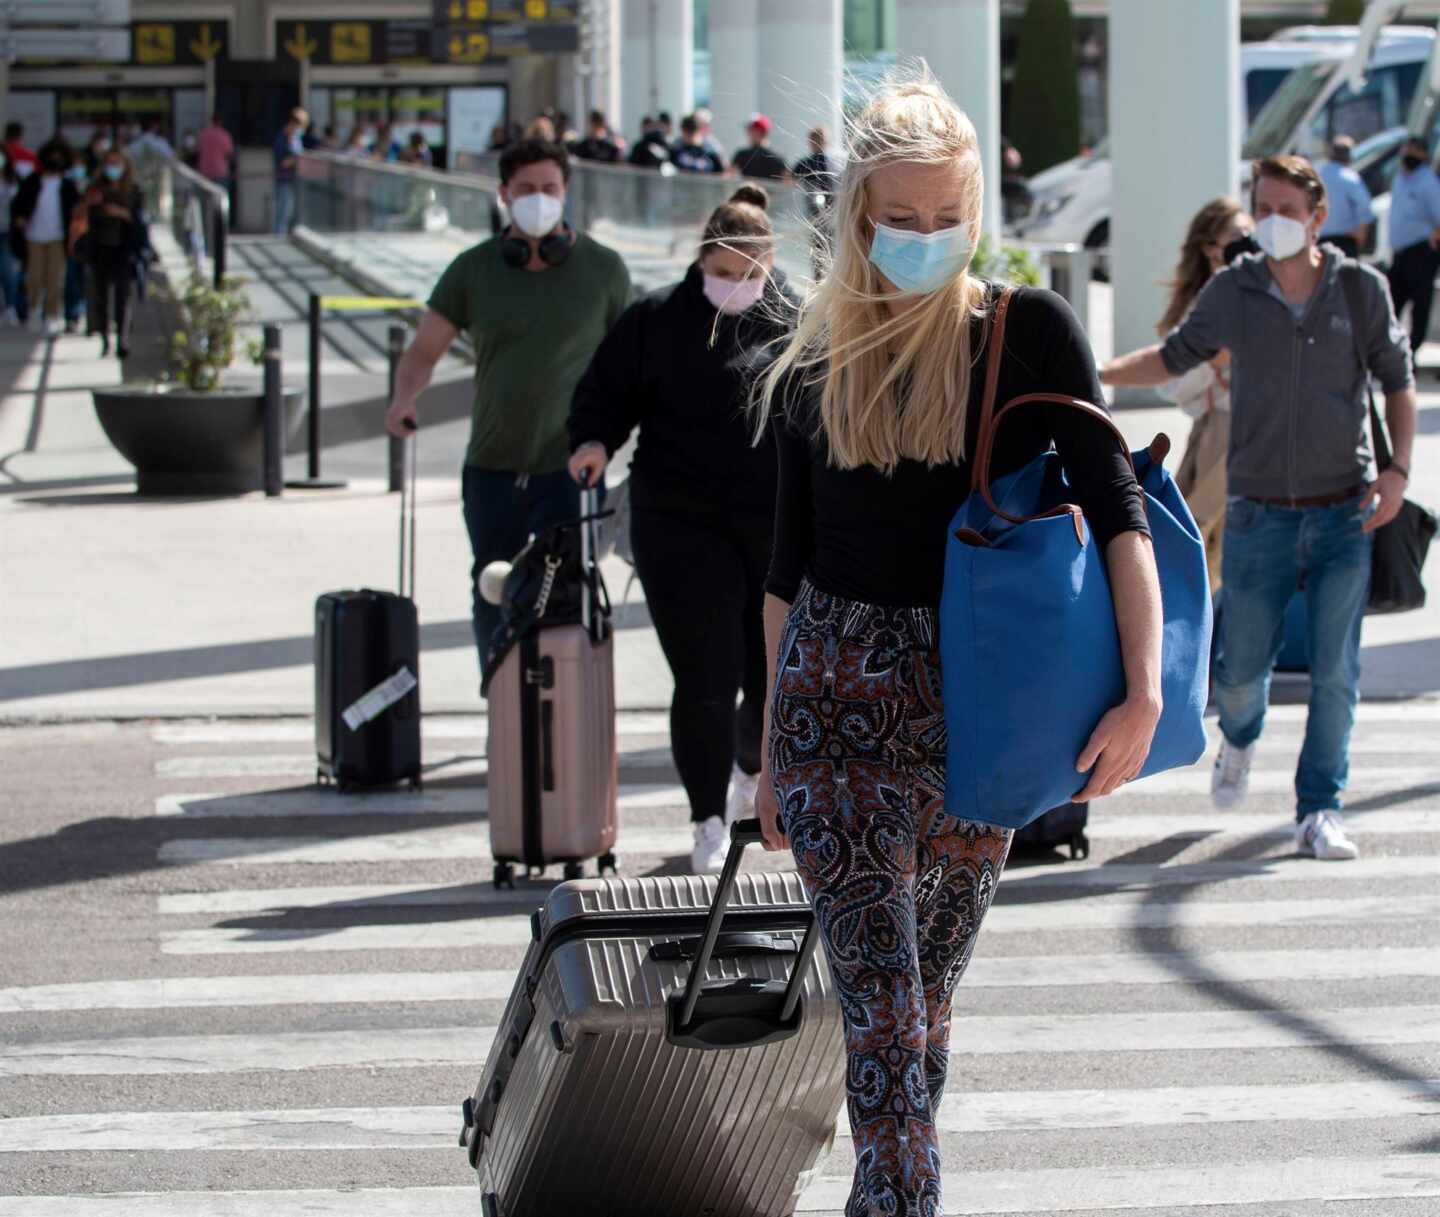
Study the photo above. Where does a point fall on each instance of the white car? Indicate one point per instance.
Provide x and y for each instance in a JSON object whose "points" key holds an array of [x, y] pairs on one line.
{"points": [[1071, 202]]}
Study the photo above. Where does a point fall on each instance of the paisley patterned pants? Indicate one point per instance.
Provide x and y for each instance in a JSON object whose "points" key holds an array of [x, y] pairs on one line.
{"points": [[857, 751]]}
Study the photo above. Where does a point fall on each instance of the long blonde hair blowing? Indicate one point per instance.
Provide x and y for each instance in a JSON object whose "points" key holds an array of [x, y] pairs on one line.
{"points": [[877, 408]]}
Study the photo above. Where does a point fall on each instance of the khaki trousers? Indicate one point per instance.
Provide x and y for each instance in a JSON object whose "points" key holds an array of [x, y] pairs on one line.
{"points": [[45, 276]]}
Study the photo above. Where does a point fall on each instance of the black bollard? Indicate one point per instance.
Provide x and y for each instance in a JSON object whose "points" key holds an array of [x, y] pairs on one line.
{"points": [[274, 415], [313, 480], [395, 348]]}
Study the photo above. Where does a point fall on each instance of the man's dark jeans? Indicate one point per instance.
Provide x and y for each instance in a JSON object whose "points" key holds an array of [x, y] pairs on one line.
{"points": [[502, 512]]}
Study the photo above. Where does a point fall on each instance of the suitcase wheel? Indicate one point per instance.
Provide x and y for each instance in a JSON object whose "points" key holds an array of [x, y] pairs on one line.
{"points": [[605, 862], [504, 876], [574, 870], [1079, 846]]}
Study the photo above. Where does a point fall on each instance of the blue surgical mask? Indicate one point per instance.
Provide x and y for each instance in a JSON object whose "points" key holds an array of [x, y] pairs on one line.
{"points": [[114, 172], [921, 262], [76, 173]]}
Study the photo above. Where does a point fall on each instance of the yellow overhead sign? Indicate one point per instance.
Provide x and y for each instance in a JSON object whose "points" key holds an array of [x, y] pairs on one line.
{"points": [[300, 45], [350, 42], [206, 47], [155, 44]]}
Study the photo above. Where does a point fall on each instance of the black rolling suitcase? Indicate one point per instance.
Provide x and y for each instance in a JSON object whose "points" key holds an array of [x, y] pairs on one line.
{"points": [[1063, 825], [367, 674]]}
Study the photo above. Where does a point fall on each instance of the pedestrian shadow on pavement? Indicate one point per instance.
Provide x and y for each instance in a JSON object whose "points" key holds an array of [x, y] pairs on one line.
{"points": [[226, 659], [1165, 944]]}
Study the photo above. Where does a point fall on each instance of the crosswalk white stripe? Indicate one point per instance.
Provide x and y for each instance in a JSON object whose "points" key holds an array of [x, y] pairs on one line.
{"points": [[465, 841], [392, 1048], [401, 1048], [324, 801], [1118, 821], [290, 765], [1128, 913], [965, 1111], [968, 1194], [200, 992], [436, 727], [1170, 1187], [1196, 780], [1025, 971], [380, 895]]}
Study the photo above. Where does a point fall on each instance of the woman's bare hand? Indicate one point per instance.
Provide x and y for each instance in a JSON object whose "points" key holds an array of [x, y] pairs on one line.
{"points": [[1118, 747]]}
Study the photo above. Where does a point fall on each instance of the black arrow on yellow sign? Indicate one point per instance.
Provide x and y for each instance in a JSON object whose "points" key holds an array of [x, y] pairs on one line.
{"points": [[205, 48], [299, 46]]}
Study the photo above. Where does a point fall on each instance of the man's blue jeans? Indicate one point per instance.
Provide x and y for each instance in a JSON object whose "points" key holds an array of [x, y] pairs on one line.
{"points": [[285, 204], [1269, 552], [502, 511]]}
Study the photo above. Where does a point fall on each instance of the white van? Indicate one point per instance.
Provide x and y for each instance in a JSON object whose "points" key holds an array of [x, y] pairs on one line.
{"points": [[1071, 202]]}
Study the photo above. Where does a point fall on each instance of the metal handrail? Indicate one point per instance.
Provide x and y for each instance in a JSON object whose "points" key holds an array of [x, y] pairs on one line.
{"points": [[198, 214], [411, 173]]}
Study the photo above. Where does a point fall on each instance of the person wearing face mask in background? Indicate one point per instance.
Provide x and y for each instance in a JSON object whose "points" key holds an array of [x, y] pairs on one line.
{"points": [[678, 366], [76, 285], [535, 300], [1351, 211], [39, 223], [1415, 238], [1300, 508], [24, 160], [1204, 391], [115, 238], [12, 297]]}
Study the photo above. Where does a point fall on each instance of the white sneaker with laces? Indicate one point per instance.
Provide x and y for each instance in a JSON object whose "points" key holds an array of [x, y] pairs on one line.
{"points": [[1230, 779], [740, 802], [1321, 835], [712, 843], [53, 329]]}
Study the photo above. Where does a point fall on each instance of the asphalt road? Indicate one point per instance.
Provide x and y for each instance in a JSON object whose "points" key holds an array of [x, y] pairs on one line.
{"points": [[224, 991]]}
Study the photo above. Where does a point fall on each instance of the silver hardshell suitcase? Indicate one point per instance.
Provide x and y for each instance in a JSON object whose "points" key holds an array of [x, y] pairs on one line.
{"points": [[622, 1083]]}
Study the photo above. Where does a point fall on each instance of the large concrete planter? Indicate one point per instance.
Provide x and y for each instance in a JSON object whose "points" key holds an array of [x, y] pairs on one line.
{"points": [[182, 442]]}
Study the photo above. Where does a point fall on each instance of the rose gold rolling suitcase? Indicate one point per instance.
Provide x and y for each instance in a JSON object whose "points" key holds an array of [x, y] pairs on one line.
{"points": [[553, 768]]}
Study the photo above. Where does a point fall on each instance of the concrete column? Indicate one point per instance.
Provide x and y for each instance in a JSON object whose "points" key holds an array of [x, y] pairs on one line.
{"points": [[801, 60], [657, 60], [734, 68], [960, 40], [1175, 129]]}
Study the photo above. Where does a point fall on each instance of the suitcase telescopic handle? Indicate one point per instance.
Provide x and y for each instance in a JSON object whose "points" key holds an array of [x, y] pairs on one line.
{"points": [[742, 833], [407, 520], [589, 551]]}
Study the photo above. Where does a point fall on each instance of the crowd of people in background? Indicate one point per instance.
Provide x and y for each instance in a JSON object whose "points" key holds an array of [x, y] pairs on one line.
{"points": [[74, 239]]}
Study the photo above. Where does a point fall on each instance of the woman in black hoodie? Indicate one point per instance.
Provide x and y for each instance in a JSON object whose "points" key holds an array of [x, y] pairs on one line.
{"points": [[679, 364]]}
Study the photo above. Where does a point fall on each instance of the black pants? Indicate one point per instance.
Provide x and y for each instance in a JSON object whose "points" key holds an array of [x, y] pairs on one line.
{"points": [[1412, 278], [111, 276], [704, 580]]}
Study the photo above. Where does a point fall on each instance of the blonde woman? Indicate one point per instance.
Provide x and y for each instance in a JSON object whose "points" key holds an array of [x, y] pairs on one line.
{"points": [[874, 407], [1204, 391]]}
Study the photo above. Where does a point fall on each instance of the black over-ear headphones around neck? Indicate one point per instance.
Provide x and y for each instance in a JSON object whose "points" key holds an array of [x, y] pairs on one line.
{"points": [[554, 249]]}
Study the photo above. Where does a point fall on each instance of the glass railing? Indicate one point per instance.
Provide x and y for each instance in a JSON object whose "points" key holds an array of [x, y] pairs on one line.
{"points": [[396, 227], [654, 220]]}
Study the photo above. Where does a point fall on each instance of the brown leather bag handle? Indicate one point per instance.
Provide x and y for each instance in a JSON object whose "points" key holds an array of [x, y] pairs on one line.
{"points": [[990, 420]]}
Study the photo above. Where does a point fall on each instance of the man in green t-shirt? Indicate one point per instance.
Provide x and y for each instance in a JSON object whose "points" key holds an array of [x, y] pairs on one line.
{"points": [[536, 301]]}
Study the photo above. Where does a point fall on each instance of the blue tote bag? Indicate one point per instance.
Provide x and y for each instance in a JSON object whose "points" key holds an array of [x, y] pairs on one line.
{"points": [[1029, 649]]}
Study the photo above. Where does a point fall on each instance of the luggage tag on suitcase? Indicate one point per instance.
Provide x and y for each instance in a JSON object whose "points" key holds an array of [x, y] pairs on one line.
{"points": [[373, 704]]}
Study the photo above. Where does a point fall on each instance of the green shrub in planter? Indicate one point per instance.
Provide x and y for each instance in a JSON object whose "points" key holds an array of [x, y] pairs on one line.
{"points": [[209, 320], [1006, 265]]}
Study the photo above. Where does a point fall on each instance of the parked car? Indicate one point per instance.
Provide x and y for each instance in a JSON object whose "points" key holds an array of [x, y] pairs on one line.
{"points": [[1302, 104]]}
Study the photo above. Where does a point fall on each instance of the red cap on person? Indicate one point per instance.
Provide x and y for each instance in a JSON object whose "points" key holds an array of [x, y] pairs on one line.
{"points": [[759, 120]]}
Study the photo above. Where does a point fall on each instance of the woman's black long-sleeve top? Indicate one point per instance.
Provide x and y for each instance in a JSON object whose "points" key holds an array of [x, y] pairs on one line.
{"points": [[658, 369], [862, 535]]}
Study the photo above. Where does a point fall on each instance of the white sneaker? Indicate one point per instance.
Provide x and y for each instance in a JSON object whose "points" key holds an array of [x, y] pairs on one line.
{"points": [[1230, 779], [712, 843], [10, 319], [740, 802], [53, 329], [1321, 835]]}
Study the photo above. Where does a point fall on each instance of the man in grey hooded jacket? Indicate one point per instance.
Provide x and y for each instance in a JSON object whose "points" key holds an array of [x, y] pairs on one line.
{"points": [[1302, 509]]}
